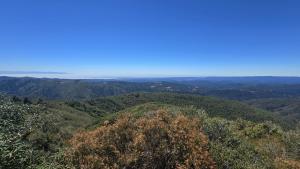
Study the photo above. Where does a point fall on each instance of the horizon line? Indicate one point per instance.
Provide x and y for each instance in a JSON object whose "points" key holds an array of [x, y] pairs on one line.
{"points": [[140, 77]]}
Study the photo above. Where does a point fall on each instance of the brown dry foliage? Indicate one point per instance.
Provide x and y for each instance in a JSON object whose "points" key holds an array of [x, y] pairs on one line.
{"points": [[155, 141], [287, 163]]}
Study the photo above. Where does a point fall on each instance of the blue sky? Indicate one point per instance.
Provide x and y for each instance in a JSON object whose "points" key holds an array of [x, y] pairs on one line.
{"points": [[117, 38]]}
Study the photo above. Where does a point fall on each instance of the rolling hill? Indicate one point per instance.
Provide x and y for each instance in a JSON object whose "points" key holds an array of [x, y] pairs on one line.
{"points": [[66, 89], [42, 128]]}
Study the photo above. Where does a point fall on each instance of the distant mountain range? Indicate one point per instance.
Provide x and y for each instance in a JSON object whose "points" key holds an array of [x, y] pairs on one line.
{"points": [[238, 88], [241, 79]]}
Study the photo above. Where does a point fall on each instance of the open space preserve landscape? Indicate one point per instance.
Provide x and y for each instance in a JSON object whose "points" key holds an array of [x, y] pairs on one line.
{"points": [[149, 84]]}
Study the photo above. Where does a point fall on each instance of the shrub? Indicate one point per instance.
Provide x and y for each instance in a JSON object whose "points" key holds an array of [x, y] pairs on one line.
{"points": [[156, 140], [15, 152], [27, 135], [230, 151], [291, 140]]}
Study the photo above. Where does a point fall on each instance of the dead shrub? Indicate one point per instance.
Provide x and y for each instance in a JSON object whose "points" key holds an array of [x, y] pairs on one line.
{"points": [[154, 141]]}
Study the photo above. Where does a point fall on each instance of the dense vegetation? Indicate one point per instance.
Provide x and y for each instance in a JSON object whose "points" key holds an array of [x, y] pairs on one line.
{"points": [[256, 91], [157, 140], [237, 89], [287, 108], [231, 143], [14, 151], [60, 89], [214, 106], [39, 133], [32, 134]]}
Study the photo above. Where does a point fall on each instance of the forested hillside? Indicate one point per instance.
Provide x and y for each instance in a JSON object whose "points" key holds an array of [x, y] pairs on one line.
{"points": [[54, 123], [87, 89], [39, 134], [255, 91], [214, 106], [149, 84], [287, 108], [80, 89], [32, 133]]}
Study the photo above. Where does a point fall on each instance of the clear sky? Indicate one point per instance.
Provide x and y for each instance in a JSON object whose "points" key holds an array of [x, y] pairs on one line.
{"points": [[112, 38]]}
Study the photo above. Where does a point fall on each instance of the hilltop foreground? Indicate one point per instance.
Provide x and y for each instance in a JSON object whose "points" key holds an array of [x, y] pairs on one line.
{"points": [[154, 130]]}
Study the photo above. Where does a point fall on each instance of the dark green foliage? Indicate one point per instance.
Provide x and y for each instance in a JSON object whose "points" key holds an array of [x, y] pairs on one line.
{"points": [[240, 136], [87, 89], [96, 107], [278, 90], [287, 108], [63, 89], [214, 107], [16, 99], [40, 101], [230, 151], [31, 135], [26, 101], [15, 151]]}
